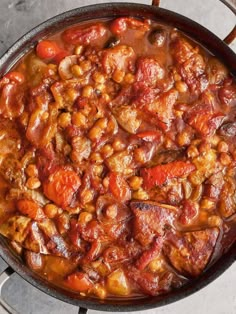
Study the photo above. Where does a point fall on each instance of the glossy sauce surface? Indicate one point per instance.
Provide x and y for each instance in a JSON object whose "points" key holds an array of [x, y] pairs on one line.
{"points": [[118, 158]]}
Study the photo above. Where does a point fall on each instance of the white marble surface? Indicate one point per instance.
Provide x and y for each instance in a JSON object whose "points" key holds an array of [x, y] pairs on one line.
{"points": [[19, 16]]}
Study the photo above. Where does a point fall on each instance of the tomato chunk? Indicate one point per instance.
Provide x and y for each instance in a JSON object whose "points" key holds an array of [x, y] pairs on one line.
{"points": [[160, 174], [61, 187], [30, 209], [77, 35], [119, 187], [121, 24], [47, 49], [149, 71], [150, 254], [79, 282]]}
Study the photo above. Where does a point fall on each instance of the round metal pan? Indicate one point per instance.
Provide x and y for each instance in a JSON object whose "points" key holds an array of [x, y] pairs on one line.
{"points": [[111, 10]]}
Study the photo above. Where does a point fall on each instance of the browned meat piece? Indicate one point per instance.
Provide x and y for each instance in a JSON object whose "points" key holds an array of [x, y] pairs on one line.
{"points": [[190, 252], [190, 65], [150, 219], [118, 57]]}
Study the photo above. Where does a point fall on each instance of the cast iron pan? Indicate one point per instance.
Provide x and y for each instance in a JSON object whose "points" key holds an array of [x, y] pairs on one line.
{"points": [[216, 46]]}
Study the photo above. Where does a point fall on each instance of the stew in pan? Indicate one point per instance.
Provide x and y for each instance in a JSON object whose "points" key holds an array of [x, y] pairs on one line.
{"points": [[118, 158]]}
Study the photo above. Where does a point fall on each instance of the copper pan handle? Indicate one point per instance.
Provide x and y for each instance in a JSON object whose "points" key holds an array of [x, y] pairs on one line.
{"points": [[231, 4]]}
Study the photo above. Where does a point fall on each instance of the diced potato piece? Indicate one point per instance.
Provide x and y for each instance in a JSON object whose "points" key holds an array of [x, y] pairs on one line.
{"points": [[15, 228], [117, 283], [128, 118]]}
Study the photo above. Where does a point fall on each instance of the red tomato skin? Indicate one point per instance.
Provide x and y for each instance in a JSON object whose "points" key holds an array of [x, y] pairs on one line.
{"points": [[119, 187], [61, 187], [47, 49]]}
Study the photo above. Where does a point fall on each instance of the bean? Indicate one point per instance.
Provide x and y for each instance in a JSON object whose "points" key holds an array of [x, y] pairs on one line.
{"points": [[98, 77], [51, 210], [140, 195], [79, 119], [32, 170], [64, 119], [192, 151], [118, 76], [87, 91], [77, 70], [225, 159], [181, 86], [135, 182], [85, 217], [33, 183], [222, 147]]}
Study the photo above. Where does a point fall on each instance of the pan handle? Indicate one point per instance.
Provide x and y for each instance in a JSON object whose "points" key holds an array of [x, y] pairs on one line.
{"points": [[4, 276], [231, 4]]}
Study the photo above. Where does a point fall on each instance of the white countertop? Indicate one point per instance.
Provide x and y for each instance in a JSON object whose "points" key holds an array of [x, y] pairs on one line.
{"points": [[19, 16]]}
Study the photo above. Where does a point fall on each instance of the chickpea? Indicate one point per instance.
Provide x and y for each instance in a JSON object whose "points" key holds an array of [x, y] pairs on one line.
{"points": [[106, 182], [72, 94], [222, 147], [196, 178], [106, 97], [99, 291], [97, 170], [214, 221], [79, 119], [79, 49], [215, 140], [64, 119], [192, 151], [204, 147], [183, 138], [140, 195], [135, 182], [85, 217], [207, 204], [96, 158], [77, 70], [33, 183], [118, 76], [51, 210], [98, 77], [90, 208], [129, 78], [156, 265], [177, 77], [32, 170], [181, 86], [87, 91], [111, 211], [101, 123], [86, 65], [45, 116], [118, 145], [225, 159], [95, 133], [107, 151], [203, 216], [86, 196], [100, 88]]}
